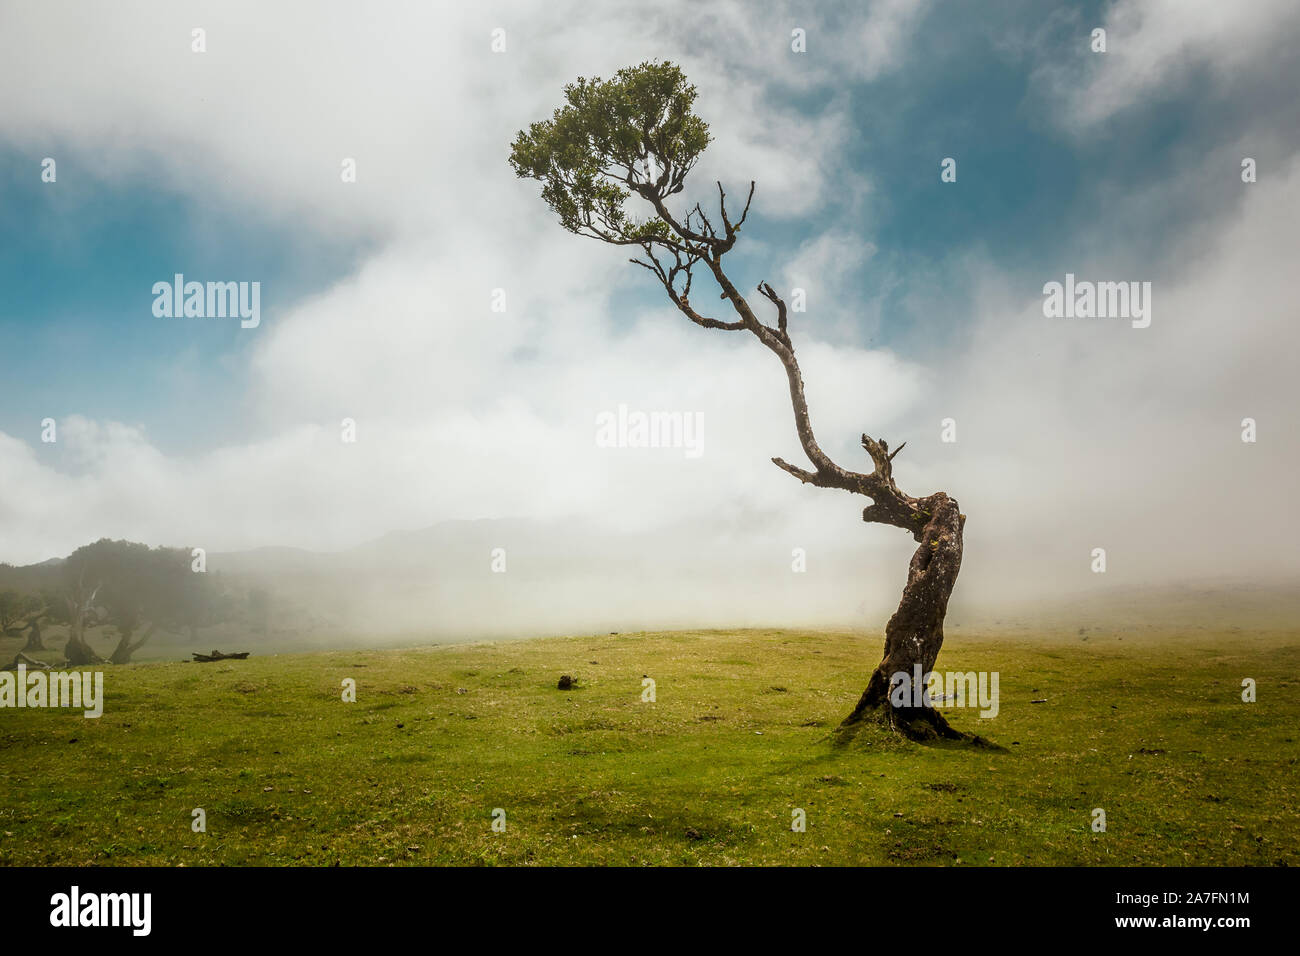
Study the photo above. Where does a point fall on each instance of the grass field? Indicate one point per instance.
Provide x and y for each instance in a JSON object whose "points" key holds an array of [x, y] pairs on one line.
{"points": [[1152, 729]]}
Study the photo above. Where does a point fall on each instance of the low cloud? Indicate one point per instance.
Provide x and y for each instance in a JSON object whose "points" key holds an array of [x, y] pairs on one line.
{"points": [[1070, 435]]}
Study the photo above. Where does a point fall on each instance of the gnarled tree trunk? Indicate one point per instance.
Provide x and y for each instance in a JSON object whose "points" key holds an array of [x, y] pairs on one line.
{"points": [[914, 634], [77, 651], [126, 647], [34, 642]]}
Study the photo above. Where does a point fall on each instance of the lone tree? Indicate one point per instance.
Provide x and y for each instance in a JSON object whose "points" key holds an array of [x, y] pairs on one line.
{"points": [[636, 134], [19, 612]]}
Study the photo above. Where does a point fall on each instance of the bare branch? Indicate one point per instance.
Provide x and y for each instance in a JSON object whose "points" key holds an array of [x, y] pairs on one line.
{"points": [[770, 294], [804, 476], [668, 278], [701, 243], [745, 215]]}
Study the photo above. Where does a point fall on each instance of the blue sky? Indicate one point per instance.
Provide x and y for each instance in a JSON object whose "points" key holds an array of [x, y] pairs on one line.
{"points": [[925, 297], [81, 258], [80, 261]]}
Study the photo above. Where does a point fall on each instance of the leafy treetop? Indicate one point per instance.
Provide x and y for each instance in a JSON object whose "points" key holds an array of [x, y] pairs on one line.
{"points": [[633, 133]]}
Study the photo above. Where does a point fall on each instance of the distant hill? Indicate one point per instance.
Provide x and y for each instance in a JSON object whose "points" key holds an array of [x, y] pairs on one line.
{"points": [[567, 577]]}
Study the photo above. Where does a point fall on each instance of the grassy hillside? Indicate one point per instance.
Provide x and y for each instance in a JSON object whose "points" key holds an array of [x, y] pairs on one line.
{"points": [[1150, 728]]}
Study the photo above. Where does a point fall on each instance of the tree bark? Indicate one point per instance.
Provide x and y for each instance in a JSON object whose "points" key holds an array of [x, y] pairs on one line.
{"points": [[914, 634], [78, 652], [34, 642], [80, 604], [126, 647]]}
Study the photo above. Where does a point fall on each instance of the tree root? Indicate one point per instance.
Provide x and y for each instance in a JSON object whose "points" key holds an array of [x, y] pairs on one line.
{"points": [[919, 724]]}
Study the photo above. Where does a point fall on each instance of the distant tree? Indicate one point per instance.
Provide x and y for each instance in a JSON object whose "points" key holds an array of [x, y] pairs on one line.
{"points": [[83, 578], [22, 612], [637, 135], [34, 638], [11, 610], [133, 595], [136, 589], [53, 610]]}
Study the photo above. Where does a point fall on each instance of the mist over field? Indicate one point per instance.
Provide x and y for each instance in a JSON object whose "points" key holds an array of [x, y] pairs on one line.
{"points": [[437, 585]]}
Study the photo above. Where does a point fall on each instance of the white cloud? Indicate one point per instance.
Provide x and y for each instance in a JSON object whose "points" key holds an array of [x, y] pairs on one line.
{"points": [[884, 37], [1153, 46], [1070, 437]]}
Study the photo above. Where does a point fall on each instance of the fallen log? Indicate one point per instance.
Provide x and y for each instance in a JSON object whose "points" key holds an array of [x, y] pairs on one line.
{"points": [[28, 661], [218, 656]]}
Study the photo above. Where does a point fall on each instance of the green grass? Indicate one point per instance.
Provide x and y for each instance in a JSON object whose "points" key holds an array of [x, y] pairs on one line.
{"points": [[1151, 729]]}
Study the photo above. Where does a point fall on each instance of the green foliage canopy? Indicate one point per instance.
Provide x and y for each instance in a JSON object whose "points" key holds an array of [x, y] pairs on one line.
{"points": [[633, 133]]}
